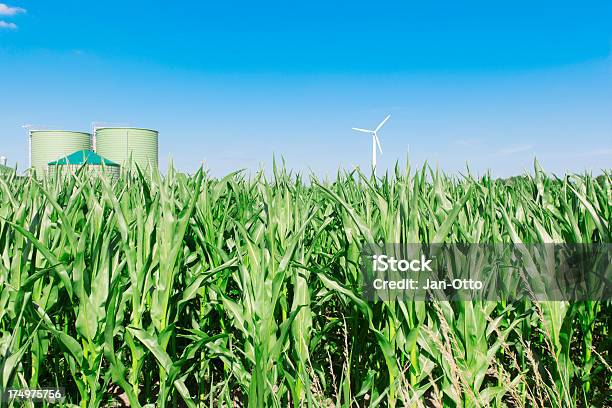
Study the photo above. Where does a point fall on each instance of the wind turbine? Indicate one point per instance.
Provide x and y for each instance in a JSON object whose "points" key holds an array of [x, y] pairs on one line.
{"points": [[375, 140]]}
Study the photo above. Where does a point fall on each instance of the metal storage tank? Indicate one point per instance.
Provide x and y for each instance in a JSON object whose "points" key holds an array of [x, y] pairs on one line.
{"points": [[120, 143], [49, 145]]}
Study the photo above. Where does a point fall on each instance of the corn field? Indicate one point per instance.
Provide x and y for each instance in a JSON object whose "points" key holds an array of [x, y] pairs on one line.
{"points": [[178, 290]]}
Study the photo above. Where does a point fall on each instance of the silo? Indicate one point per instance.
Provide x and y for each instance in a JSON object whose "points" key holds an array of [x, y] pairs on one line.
{"points": [[49, 145], [119, 144]]}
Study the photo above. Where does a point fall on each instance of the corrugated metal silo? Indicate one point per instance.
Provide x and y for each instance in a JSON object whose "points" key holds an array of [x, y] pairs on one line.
{"points": [[49, 145], [121, 144]]}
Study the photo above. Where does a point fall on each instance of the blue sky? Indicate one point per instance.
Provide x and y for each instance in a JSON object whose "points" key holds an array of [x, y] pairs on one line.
{"points": [[232, 83]]}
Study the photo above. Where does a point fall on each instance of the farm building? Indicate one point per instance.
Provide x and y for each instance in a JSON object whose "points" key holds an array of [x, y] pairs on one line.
{"points": [[95, 163], [126, 147]]}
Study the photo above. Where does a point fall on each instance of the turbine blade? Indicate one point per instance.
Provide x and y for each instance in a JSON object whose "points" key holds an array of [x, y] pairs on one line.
{"points": [[382, 123], [378, 142], [362, 130]]}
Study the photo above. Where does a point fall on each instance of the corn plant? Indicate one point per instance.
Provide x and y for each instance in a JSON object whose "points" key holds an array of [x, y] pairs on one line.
{"points": [[186, 290]]}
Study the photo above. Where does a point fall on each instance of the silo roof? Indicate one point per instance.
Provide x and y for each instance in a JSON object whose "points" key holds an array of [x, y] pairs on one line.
{"points": [[125, 128], [58, 131], [83, 157]]}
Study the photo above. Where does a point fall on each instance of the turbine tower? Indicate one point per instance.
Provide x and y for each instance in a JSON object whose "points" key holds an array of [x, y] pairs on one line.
{"points": [[375, 140]]}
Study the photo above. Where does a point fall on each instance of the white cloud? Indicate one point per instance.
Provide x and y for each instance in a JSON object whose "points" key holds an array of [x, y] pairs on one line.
{"points": [[7, 25], [10, 11], [514, 150]]}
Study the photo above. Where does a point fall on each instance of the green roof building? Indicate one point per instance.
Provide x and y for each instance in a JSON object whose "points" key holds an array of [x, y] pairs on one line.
{"points": [[94, 162], [81, 157]]}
